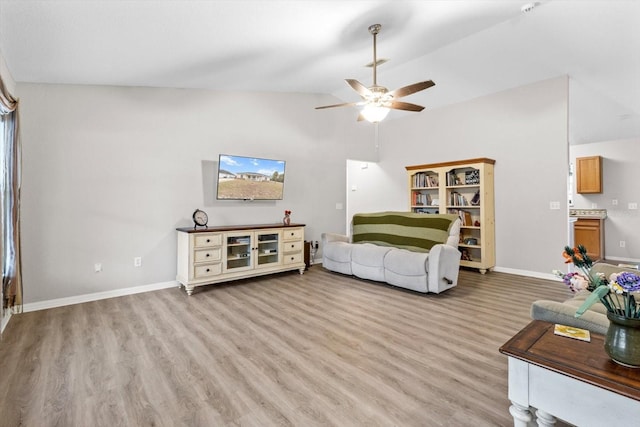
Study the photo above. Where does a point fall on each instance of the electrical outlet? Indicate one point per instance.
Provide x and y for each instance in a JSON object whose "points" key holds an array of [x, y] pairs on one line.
{"points": [[97, 267], [633, 206], [623, 243], [614, 202], [554, 205], [137, 261]]}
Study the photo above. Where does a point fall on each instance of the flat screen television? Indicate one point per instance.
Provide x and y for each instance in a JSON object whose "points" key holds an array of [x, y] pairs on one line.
{"points": [[250, 178]]}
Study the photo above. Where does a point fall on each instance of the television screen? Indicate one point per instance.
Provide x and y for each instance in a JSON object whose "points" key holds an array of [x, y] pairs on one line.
{"points": [[250, 178]]}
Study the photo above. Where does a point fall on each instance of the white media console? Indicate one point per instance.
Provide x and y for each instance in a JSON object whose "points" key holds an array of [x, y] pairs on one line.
{"points": [[220, 254]]}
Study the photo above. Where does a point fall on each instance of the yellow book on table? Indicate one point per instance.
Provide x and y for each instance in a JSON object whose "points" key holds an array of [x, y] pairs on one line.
{"points": [[571, 332]]}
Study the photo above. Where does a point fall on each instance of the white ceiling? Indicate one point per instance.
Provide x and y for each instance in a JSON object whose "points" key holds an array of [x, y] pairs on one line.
{"points": [[469, 48]]}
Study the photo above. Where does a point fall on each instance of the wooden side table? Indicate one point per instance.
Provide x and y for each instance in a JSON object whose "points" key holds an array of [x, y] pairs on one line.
{"points": [[570, 379]]}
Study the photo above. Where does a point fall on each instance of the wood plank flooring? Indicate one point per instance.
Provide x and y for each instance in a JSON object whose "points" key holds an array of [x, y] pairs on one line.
{"points": [[320, 349]]}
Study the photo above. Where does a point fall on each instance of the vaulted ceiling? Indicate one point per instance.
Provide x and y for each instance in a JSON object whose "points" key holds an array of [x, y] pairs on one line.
{"points": [[469, 48]]}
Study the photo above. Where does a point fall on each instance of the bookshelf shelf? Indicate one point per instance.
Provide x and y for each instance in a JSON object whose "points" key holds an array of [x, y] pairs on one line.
{"points": [[464, 188]]}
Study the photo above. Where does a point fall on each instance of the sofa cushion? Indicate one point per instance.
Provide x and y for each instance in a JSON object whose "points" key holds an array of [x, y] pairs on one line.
{"points": [[579, 299], [408, 230], [407, 263], [368, 261], [369, 254], [337, 257], [338, 251], [564, 314], [407, 269]]}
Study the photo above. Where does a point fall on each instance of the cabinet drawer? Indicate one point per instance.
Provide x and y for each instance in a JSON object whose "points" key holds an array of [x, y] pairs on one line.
{"points": [[204, 255], [207, 270], [292, 258], [292, 246], [295, 234], [207, 240]]}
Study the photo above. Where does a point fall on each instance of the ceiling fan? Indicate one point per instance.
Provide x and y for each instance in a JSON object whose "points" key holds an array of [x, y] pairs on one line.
{"points": [[378, 100]]}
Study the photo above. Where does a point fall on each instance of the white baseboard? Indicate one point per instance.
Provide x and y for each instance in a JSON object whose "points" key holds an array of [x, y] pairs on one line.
{"points": [[527, 273], [60, 302]]}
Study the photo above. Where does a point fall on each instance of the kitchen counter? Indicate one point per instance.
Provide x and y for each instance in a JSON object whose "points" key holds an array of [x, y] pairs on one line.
{"points": [[588, 213]]}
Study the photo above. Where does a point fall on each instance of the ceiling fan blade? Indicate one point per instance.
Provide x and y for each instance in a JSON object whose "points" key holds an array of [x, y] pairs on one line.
{"points": [[397, 105], [346, 104], [359, 87], [408, 90]]}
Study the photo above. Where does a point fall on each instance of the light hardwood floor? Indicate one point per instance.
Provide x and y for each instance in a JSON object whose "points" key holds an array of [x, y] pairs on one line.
{"points": [[320, 349]]}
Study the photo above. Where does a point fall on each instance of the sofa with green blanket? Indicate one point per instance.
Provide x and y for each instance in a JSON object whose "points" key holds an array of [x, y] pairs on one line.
{"points": [[405, 249]]}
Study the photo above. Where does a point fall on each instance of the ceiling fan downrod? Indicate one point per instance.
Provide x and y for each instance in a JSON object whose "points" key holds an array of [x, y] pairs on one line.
{"points": [[375, 29]]}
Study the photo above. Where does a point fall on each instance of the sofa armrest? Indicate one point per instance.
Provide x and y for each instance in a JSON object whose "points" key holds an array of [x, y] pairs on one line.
{"points": [[444, 266], [564, 314], [334, 237]]}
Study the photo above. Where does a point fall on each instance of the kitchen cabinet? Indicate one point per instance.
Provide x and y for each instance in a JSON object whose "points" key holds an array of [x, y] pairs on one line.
{"points": [[589, 175], [589, 232]]}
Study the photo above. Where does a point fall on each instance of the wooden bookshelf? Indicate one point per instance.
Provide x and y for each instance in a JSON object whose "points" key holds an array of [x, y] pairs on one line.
{"points": [[465, 188]]}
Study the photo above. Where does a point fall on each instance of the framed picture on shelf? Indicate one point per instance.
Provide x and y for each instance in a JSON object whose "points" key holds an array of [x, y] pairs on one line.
{"points": [[476, 199], [472, 177]]}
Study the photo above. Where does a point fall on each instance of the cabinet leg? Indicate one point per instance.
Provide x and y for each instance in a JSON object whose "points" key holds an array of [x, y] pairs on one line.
{"points": [[544, 419], [301, 270], [189, 289], [521, 415], [483, 271]]}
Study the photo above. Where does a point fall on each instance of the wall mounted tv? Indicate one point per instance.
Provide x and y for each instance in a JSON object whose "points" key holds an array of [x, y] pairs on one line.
{"points": [[250, 178]]}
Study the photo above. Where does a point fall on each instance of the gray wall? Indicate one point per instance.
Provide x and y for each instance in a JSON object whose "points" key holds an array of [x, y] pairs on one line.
{"points": [[110, 172], [7, 78], [524, 130], [620, 182]]}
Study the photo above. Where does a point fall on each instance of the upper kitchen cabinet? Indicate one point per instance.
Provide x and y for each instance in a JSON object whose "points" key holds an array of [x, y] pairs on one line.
{"points": [[589, 173]]}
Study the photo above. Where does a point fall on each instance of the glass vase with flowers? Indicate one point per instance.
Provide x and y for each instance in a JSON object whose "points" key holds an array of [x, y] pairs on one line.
{"points": [[620, 295]]}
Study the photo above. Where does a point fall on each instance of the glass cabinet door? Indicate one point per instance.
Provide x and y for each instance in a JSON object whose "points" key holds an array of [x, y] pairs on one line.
{"points": [[239, 253], [268, 248]]}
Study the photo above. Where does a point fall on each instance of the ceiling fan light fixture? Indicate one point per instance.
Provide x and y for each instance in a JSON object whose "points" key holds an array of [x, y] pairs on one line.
{"points": [[378, 100], [374, 113]]}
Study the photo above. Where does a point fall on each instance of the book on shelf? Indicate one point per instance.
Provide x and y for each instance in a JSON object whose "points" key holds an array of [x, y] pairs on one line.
{"points": [[453, 178], [421, 199], [465, 217], [424, 180], [457, 199]]}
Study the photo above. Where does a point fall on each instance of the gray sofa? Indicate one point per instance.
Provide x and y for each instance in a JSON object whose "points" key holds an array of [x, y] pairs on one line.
{"points": [[595, 319], [405, 249]]}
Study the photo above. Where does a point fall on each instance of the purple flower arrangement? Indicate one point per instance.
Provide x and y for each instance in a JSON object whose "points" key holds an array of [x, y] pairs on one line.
{"points": [[617, 293]]}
